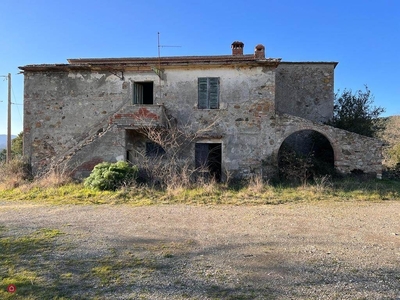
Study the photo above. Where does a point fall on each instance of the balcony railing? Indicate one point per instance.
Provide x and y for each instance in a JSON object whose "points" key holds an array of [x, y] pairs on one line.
{"points": [[140, 116]]}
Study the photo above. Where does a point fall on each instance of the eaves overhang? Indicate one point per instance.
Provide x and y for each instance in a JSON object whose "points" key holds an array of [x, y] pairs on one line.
{"points": [[137, 64], [334, 63]]}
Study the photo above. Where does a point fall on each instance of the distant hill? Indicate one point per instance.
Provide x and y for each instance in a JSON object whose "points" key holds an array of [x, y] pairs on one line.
{"points": [[3, 140]]}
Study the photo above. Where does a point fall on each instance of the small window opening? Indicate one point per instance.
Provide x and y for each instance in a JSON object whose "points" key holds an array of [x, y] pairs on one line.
{"points": [[143, 93]]}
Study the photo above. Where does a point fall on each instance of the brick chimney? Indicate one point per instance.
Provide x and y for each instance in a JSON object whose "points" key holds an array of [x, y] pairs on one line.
{"points": [[259, 52], [237, 48]]}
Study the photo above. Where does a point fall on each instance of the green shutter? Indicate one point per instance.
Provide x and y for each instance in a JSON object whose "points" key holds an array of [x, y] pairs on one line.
{"points": [[203, 95], [208, 89], [137, 93], [201, 155], [213, 93]]}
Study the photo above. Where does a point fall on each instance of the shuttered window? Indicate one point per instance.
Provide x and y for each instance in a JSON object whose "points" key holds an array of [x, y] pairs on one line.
{"points": [[208, 92]]}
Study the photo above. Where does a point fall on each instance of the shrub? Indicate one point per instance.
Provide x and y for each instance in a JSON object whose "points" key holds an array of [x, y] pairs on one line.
{"points": [[393, 154], [14, 174], [393, 172], [110, 176], [295, 167]]}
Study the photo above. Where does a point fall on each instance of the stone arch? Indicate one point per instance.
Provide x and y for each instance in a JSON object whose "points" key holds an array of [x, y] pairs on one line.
{"points": [[320, 129], [304, 142]]}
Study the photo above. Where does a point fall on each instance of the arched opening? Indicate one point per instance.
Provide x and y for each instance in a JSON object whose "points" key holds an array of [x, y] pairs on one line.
{"points": [[305, 155]]}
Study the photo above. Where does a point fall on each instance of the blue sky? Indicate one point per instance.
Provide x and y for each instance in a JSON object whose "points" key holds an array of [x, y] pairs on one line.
{"points": [[363, 36]]}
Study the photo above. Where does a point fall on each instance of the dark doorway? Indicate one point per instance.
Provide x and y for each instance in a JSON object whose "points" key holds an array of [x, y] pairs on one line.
{"points": [[305, 155], [143, 92], [154, 150], [208, 157]]}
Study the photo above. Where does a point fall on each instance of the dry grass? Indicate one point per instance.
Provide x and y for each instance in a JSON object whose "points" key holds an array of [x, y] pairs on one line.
{"points": [[53, 179], [256, 184], [13, 174], [209, 193], [17, 174], [58, 188]]}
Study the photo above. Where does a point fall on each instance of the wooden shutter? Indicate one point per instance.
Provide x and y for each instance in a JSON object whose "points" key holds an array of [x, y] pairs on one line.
{"points": [[208, 93], [201, 155], [137, 93], [213, 92], [203, 93]]}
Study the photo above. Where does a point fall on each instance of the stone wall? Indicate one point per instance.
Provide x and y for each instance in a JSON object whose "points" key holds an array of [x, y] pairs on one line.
{"points": [[82, 117], [305, 90], [61, 109], [352, 151]]}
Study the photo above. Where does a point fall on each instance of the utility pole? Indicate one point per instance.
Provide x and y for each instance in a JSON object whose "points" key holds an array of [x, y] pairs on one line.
{"points": [[9, 121]]}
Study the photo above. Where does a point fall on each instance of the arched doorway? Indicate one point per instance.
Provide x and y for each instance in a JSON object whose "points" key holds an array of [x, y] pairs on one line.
{"points": [[305, 155]]}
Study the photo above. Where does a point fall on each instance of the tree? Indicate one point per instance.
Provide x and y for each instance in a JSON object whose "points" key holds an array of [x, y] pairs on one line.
{"points": [[391, 135], [16, 147], [356, 113]]}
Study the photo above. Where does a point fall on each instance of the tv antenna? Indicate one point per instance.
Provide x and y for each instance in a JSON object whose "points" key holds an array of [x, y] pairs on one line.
{"points": [[158, 70], [163, 46], [159, 52]]}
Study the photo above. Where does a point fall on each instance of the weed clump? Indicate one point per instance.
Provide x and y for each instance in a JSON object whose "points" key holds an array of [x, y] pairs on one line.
{"points": [[111, 176], [14, 174]]}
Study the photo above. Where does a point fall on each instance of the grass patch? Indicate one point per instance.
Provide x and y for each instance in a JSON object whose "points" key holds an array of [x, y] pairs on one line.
{"points": [[70, 193], [21, 263], [350, 189], [42, 268]]}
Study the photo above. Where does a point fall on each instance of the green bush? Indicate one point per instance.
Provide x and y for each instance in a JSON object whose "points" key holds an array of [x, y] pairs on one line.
{"points": [[110, 176]]}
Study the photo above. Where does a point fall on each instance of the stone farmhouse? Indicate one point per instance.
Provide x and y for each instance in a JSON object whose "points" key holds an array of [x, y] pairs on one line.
{"points": [[239, 108]]}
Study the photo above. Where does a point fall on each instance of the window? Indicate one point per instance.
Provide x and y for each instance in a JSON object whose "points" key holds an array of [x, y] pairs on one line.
{"points": [[154, 150], [143, 92], [208, 93]]}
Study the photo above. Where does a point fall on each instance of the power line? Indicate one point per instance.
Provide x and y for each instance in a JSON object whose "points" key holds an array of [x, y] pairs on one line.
{"points": [[14, 103]]}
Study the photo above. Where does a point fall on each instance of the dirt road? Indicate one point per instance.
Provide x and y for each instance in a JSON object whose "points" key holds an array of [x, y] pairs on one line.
{"points": [[292, 251]]}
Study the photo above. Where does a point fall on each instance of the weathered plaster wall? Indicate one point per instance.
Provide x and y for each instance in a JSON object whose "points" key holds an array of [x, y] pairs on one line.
{"points": [[246, 106], [305, 90], [64, 110]]}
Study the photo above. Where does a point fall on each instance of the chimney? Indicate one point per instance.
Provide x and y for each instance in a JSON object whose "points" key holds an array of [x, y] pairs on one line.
{"points": [[259, 52], [237, 48]]}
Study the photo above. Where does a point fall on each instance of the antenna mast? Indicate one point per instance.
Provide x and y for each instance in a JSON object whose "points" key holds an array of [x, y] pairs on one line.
{"points": [[159, 64], [159, 59]]}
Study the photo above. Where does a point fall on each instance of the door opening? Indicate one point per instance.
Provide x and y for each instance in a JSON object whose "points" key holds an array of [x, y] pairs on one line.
{"points": [[208, 158]]}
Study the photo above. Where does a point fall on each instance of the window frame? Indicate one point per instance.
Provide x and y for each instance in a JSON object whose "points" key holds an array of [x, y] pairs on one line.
{"points": [[141, 91], [208, 92], [208, 157]]}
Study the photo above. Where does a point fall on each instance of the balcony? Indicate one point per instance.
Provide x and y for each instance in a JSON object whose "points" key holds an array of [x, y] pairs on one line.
{"points": [[140, 116]]}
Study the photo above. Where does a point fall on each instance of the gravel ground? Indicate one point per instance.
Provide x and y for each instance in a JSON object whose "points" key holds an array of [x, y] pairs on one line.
{"points": [[338, 250]]}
